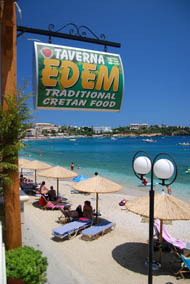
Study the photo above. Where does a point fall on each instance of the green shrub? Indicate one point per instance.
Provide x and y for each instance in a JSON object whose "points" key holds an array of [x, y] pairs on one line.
{"points": [[14, 121], [27, 264]]}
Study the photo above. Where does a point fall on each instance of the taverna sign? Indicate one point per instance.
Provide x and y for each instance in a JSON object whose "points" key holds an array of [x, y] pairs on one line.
{"points": [[69, 78]]}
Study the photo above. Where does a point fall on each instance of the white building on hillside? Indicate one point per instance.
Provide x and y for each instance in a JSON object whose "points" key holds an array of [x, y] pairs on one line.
{"points": [[102, 129], [39, 127], [31, 132], [42, 125]]}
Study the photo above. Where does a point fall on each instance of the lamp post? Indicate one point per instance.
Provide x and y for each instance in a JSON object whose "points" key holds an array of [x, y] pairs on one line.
{"points": [[164, 169]]}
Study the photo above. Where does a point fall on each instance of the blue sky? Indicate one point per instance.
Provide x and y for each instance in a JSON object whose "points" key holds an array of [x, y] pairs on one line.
{"points": [[155, 51]]}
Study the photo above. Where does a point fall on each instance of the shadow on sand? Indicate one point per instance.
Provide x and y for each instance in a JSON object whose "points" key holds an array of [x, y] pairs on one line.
{"points": [[36, 204], [132, 256]]}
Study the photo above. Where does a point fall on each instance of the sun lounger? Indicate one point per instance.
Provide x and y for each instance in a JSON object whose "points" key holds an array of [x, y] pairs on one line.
{"points": [[168, 238], [70, 230], [45, 204], [65, 217], [97, 230], [185, 266], [52, 206], [29, 188]]}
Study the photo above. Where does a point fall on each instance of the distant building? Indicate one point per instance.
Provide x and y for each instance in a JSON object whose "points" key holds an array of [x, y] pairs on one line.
{"points": [[136, 126], [102, 129], [39, 127], [75, 127], [31, 132], [42, 125], [163, 126]]}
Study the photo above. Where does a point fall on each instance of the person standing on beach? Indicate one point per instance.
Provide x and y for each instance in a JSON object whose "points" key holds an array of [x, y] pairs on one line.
{"points": [[144, 180], [169, 189], [72, 166]]}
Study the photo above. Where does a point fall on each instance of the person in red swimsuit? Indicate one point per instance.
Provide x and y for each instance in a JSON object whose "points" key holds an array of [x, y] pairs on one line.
{"points": [[144, 180]]}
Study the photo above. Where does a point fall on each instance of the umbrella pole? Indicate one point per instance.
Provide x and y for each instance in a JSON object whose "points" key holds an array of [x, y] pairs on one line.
{"points": [[160, 240], [57, 187], [35, 176], [96, 208]]}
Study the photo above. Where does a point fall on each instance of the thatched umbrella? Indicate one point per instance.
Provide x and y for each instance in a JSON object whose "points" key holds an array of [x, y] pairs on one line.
{"points": [[37, 165], [97, 184], [166, 208], [22, 163], [58, 173]]}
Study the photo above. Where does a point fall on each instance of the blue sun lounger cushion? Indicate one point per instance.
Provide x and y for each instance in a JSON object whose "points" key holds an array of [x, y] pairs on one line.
{"points": [[71, 229], [185, 266], [97, 230]]}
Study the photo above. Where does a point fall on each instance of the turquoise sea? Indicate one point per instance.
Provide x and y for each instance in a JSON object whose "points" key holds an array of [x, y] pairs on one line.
{"points": [[112, 158]]}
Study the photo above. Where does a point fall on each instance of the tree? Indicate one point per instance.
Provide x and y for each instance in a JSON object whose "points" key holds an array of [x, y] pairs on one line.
{"points": [[14, 121]]}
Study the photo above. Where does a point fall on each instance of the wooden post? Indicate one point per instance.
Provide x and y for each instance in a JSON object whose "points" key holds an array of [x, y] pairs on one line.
{"points": [[96, 208], [8, 37], [57, 187], [35, 176]]}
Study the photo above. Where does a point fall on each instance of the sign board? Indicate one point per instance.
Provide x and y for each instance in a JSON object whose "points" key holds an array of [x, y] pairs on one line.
{"points": [[68, 78]]}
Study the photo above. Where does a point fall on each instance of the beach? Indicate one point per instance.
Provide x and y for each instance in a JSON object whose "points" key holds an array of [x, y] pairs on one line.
{"points": [[116, 257]]}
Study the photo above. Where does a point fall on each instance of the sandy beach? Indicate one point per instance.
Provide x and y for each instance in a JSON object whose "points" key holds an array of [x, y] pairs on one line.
{"points": [[117, 257]]}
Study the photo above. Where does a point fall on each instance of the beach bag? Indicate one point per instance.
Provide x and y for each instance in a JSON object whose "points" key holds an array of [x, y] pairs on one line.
{"points": [[122, 202]]}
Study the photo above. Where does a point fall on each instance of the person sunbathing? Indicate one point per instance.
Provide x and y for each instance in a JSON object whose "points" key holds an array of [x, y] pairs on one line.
{"points": [[27, 184], [73, 214], [87, 210], [52, 194], [43, 188]]}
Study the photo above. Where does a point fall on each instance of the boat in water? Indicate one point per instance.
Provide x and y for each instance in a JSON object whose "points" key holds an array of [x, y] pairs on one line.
{"points": [[184, 144], [149, 140]]}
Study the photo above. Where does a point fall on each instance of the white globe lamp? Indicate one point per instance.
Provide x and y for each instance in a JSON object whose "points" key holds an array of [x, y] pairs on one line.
{"points": [[163, 169], [142, 165]]}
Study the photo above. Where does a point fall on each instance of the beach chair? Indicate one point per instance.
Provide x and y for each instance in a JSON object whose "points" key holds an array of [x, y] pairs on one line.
{"points": [[52, 206], [45, 204], [71, 229], [97, 230], [185, 266], [29, 188], [168, 239], [65, 217]]}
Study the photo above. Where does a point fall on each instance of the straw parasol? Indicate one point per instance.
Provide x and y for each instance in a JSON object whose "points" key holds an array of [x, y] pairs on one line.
{"points": [[22, 163], [97, 184], [37, 165], [166, 208], [58, 173]]}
